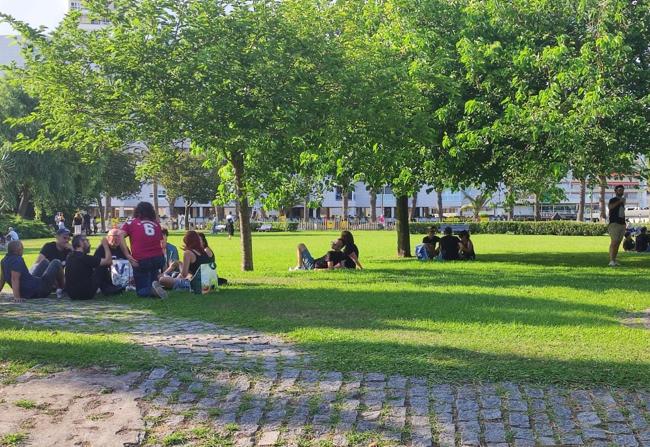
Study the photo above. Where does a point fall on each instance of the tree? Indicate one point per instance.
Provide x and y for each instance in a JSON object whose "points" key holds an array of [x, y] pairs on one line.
{"points": [[244, 85], [477, 202]]}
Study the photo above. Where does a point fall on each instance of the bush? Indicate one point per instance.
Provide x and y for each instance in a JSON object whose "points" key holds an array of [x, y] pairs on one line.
{"points": [[26, 229], [554, 227]]}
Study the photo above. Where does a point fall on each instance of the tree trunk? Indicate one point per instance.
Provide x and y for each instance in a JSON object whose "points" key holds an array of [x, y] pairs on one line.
{"points": [[109, 212], [373, 206], [414, 207], [187, 216], [403, 234], [23, 206], [263, 214], [538, 208], [221, 212], [345, 205], [602, 201], [441, 214], [171, 201], [477, 213], [245, 232], [102, 218], [306, 210], [154, 187], [581, 202]]}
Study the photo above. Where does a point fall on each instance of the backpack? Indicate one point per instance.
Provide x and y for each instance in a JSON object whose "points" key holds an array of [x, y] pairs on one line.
{"points": [[421, 252]]}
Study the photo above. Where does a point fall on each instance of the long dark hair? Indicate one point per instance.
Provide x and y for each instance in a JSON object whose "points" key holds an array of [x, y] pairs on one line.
{"points": [[192, 241], [347, 238], [145, 211], [204, 240]]}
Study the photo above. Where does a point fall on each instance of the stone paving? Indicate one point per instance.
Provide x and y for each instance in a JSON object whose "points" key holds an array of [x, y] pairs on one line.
{"points": [[236, 387]]}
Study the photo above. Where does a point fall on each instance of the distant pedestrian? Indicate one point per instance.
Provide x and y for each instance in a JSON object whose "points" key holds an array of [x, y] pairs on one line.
{"points": [[230, 225], [77, 223], [86, 218], [616, 227], [11, 235]]}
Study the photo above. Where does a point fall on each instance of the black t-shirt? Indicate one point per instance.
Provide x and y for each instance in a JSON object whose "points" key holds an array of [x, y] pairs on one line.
{"points": [[433, 240], [116, 252], [617, 215], [348, 263], [51, 252], [79, 275], [332, 256], [642, 242], [449, 247]]}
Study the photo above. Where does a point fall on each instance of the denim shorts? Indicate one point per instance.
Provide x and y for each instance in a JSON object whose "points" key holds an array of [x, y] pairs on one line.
{"points": [[307, 260], [182, 284]]}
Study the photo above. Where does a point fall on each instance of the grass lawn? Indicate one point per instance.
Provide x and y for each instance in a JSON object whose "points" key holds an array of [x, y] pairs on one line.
{"points": [[540, 309]]}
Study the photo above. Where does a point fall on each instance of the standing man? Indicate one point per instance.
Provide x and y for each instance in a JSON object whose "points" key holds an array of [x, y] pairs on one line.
{"points": [[616, 226]]}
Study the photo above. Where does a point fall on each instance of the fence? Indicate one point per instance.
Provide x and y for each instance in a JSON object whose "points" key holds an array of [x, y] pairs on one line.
{"points": [[340, 225]]}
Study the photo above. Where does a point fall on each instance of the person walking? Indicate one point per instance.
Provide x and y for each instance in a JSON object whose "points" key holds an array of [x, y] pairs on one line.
{"points": [[230, 225], [616, 227]]}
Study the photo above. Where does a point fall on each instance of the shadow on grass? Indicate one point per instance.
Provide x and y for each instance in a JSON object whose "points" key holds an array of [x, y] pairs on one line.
{"points": [[442, 364]]}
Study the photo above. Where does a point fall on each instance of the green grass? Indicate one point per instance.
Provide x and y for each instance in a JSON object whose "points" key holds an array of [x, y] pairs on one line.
{"points": [[539, 309], [12, 439]]}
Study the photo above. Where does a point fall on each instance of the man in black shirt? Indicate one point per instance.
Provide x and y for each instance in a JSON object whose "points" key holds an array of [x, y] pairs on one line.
{"points": [[449, 245], [642, 240], [58, 249], [79, 271], [103, 273], [333, 259], [616, 227]]}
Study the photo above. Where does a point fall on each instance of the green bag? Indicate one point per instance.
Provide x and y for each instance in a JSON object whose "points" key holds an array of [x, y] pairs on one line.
{"points": [[205, 279]]}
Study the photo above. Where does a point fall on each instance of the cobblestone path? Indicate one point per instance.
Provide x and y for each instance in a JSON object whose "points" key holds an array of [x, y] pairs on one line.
{"points": [[237, 387]]}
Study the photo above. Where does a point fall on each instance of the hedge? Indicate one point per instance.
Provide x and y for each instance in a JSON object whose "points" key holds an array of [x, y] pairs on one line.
{"points": [[26, 229], [554, 227]]}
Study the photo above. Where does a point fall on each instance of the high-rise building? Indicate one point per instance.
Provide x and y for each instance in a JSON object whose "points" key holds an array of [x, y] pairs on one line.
{"points": [[85, 22]]}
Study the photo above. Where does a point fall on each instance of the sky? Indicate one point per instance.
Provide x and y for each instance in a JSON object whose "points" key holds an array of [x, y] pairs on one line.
{"points": [[34, 12]]}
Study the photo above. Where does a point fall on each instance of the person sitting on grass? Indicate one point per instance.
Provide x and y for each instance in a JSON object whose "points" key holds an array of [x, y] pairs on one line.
{"points": [[102, 273], [332, 259], [208, 250], [449, 246], [172, 260], [642, 242], [25, 285], [431, 242], [59, 249], [351, 251], [628, 242], [80, 277], [194, 254], [466, 248]]}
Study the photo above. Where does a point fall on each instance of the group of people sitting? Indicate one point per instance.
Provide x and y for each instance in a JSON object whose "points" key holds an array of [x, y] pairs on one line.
{"points": [[65, 265], [343, 254], [446, 248], [640, 244]]}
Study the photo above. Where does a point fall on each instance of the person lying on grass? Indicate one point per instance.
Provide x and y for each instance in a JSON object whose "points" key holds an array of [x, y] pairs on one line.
{"points": [[194, 254], [333, 259]]}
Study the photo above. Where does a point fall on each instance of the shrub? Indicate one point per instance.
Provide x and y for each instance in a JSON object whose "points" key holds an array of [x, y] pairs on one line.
{"points": [[26, 229], [557, 228]]}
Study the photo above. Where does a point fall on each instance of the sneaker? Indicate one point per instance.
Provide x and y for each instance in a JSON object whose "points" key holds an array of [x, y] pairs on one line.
{"points": [[295, 269], [158, 290], [613, 264], [130, 289], [60, 294]]}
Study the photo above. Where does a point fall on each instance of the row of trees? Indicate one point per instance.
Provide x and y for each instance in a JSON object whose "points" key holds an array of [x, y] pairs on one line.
{"points": [[281, 99]]}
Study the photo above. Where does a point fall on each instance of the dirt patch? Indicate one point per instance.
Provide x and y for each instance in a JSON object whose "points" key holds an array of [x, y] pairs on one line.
{"points": [[72, 408], [637, 319]]}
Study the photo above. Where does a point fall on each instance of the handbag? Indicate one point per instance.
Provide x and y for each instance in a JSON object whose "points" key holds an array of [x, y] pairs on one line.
{"points": [[205, 279]]}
